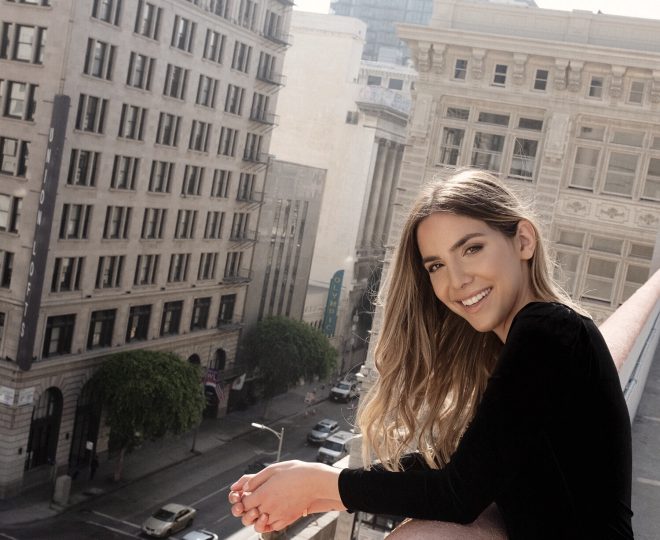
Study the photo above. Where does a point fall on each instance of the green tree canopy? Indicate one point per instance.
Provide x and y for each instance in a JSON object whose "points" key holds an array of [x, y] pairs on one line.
{"points": [[284, 350], [145, 395]]}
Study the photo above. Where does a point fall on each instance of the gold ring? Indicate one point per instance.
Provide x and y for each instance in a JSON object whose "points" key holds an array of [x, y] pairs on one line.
{"points": [[304, 513]]}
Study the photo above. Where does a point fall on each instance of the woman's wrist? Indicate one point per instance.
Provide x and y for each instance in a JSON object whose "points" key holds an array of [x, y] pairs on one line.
{"points": [[328, 484]]}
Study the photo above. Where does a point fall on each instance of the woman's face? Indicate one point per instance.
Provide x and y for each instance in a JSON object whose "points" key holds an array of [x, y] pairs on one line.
{"points": [[476, 271]]}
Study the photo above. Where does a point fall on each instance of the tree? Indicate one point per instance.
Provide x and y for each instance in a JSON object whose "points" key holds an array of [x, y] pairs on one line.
{"points": [[146, 395], [283, 350]]}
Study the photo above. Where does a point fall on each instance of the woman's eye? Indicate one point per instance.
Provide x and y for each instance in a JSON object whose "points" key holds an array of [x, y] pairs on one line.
{"points": [[473, 249], [433, 267]]}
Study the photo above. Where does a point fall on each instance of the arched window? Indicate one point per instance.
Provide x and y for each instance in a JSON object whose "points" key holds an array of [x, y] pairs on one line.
{"points": [[44, 429], [85, 428], [194, 359], [220, 360]]}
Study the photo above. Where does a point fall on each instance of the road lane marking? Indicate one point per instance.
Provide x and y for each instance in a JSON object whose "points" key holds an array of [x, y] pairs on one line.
{"points": [[655, 483], [193, 504], [7, 536], [113, 529], [222, 519], [115, 519], [651, 418]]}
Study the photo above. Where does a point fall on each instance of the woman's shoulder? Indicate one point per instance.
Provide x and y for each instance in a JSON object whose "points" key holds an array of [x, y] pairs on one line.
{"points": [[549, 320]]}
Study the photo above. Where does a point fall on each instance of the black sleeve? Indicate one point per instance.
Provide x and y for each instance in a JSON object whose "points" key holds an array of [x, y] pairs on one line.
{"points": [[409, 462], [517, 399]]}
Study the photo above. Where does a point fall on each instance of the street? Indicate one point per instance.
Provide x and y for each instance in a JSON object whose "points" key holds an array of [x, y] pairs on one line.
{"points": [[201, 482]]}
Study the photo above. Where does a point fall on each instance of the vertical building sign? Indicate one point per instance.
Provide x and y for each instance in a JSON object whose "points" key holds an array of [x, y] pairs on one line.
{"points": [[332, 304], [42, 229]]}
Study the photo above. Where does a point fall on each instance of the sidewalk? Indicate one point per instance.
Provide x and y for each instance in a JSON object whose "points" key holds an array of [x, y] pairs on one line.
{"points": [[35, 504]]}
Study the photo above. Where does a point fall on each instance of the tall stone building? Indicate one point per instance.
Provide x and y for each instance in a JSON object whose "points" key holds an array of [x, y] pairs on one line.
{"points": [[133, 148]]}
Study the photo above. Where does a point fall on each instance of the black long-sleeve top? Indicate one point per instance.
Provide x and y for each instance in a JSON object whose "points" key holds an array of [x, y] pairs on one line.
{"points": [[550, 442]]}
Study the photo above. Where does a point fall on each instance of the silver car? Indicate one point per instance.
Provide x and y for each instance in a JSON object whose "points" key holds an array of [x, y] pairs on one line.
{"points": [[321, 431], [200, 534], [169, 519]]}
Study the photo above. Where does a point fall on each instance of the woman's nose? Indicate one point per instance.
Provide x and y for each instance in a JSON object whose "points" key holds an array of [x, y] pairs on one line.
{"points": [[458, 277]]}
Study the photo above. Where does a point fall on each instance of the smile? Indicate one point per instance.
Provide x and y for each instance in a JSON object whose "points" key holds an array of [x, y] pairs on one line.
{"points": [[476, 298]]}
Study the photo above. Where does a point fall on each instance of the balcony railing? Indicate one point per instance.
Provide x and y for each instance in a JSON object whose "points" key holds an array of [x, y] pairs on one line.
{"points": [[257, 157], [241, 276], [384, 97], [272, 78], [252, 197], [268, 118], [286, 2], [243, 236], [279, 39]]}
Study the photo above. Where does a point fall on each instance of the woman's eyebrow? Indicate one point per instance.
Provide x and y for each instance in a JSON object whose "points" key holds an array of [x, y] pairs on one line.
{"points": [[456, 245]]}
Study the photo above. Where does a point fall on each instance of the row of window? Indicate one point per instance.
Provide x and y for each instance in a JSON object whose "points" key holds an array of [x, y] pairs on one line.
{"points": [[68, 272], [58, 338], [10, 213], [6, 268], [76, 219], [18, 100]]}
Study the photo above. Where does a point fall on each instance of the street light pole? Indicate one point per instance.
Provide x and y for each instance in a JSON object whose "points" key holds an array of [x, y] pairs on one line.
{"points": [[279, 435]]}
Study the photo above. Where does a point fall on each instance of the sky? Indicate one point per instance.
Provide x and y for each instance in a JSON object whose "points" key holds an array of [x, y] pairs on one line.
{"points": [[649, 9]]}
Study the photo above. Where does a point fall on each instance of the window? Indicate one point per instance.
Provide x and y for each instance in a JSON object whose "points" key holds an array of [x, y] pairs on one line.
{"points": [[450, 146], [32, 3], [200, 313], [374, 80], [193, 177], [153, 223], [147, 20], [59, 335], [252, 150], [239, 226], [66, 274], [487, 151], [99, 59], [183, 34], [91, 113], [207, 264], [146, 268], [199, 136], [185, 224], [214, 46], [178, 271], [247, 11], [10, 213], [131, 122], [160, 177], [636, 94], [651, 190], [171, 320], [395, 84], [233, 264], [75, 221], [140, 71], [241, 59], [259, 108], [234, 99], [22, 43], [107, 10], [530, 123], [117, 222], [226, 311], [596, 87], [584, 169], [6, 268], [599, 282], [246, 187], [460, 69], [227, 143], [168, 129], [636, 276], [176, 80], [273, 26], [493, 118], [221, 181], [13, 156], [620, 175], [524, 158], [101, 326], [219, 7], [266, 68], [206, 91], [138, 323], [214, 222], [20, 102], [541, 79], [124, 172], [499, 75], [109, 272], [83, 168]]}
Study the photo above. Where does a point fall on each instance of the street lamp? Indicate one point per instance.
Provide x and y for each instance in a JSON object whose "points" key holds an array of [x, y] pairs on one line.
{"points": [[279, 435]]}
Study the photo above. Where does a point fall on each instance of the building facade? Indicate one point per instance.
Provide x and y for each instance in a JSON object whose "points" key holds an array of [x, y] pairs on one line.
{"points": [[133, 147]]}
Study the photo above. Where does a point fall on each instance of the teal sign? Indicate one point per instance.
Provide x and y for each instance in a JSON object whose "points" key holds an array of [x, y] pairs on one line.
{"points": [[332, 304]]}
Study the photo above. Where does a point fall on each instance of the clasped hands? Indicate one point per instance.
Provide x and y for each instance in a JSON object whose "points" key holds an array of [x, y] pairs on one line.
{"points": [[283, 492]]}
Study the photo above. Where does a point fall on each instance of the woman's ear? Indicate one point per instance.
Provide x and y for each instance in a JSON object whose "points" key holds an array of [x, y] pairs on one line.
{"points": [[526, 235]]}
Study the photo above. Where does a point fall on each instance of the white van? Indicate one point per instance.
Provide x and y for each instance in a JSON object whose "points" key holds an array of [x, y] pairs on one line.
{"points": [[334, 447]]}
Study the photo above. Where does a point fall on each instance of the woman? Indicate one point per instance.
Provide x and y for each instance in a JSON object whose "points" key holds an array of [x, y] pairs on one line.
{"points": [[493, 388]]}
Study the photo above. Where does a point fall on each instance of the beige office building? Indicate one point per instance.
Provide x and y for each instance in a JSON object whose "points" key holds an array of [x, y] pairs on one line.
{"points": [[133, 147]]}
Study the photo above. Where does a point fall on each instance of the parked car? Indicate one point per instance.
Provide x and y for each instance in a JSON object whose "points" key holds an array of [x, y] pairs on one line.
{"points": [[334, 447], [200, 534], [169, 519], [321, 431], [344, 391], [256, 466]]}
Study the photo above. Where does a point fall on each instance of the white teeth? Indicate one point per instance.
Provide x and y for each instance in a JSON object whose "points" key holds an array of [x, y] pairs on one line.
{"points": [[475, 298]]}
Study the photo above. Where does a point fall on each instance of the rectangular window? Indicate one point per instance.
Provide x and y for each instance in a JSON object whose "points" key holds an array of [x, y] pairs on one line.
{"points": [[637, 91], [183, 34], [221, 182], [176, 81], [541, 79], [199, 136], [168, 129], [153, 223], [99, 59], [259, 109], [75, 220], [214, 46], [147, 20], [109, 272], [234, 99], [457, 113], [219, 7], [636, 276], [599, 283], [584, 169], [13, 156], [227, 143], [160, 177], [117, 222], [83, 168], [395, 84], [239, 226], [200, 313], [628, 138], [620, 175], [493, 118], [596, 87], [213, 226], [207, 264], [101, 327], [247, 12], [241, 58], [246, 187], [487, 151], [6, 268], [31, 3], [138, 323], [185, 224], [178, 270], [146, 269], [67, 272], [171, 320], [132, 122], [499, 76], [651, 189], [59, 335], [140, 71], [206, 91], [450, 146], [20, 102], [233, 264], [606, 244], [460, 69], [226, 311], [10, 213], [568, 263], [124, 172], [252, 151], [591, 133], [107, 10], [193, 176], [524, 158], [530, 123], [266, 69], [22, 43], [91, 113]]}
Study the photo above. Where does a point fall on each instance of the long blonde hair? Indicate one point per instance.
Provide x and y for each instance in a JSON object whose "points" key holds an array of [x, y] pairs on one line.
{"points": [[433, 366]]}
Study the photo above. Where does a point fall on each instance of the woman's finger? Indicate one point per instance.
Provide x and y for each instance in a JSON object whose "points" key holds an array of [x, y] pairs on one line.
{"points": [[238, 485], [235, 497], [261, 524], [237, 510]]}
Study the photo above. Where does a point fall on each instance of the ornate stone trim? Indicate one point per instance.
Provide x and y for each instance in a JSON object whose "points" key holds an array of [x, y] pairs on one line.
{"points": [[616, 83], [561, 68], [519, 63], [575, 75], [478, 56]]}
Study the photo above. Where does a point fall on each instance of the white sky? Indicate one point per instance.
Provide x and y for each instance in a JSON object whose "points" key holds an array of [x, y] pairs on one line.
{"points": [[649, 9]]}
